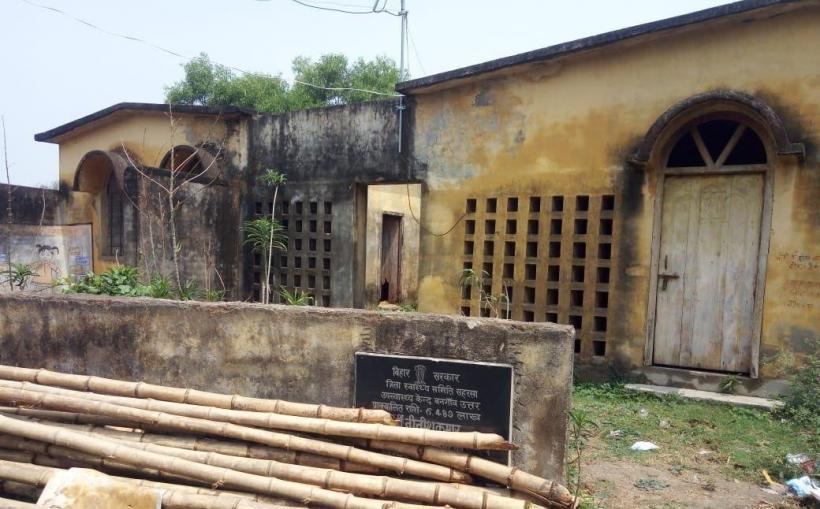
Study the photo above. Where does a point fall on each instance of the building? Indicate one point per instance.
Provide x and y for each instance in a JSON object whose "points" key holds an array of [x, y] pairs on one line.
{"points": [[656, 187], [115, 179]]}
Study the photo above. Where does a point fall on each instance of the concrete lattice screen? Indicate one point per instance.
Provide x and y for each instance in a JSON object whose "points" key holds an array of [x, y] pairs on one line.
{"points": [[552, 256], [306, 266]]}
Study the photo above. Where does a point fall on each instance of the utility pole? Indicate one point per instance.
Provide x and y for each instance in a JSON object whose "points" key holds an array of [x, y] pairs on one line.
{"points": [[403, 14], [402, 72]]}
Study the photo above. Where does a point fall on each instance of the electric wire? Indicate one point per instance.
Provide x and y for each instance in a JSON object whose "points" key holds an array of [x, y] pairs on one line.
{"points": [[374, 10], [415, 50], [187, 57], [424, 228]]}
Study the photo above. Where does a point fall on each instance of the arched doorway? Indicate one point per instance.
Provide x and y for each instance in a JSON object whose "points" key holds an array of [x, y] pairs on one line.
{"points": [[104, 175], [709, 245]]}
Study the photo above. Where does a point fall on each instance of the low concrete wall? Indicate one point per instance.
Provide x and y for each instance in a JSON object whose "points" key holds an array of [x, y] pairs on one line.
{"points": [[296, 353]]}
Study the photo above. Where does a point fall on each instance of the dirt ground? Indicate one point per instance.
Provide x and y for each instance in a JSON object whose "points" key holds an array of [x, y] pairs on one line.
{"points": [[621, 484]]}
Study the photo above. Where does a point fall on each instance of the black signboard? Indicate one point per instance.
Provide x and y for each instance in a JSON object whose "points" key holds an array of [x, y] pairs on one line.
{"points": [[439, 394]]}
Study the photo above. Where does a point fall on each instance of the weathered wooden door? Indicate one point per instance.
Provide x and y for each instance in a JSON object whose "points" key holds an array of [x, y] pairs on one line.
{"points": [[707, 271], [391, 258]]}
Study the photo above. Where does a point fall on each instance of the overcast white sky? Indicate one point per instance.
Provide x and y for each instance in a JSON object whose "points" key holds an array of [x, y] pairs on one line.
{"points": [[55, 69]]}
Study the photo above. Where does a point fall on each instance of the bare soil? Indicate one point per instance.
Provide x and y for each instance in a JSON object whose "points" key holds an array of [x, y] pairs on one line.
{"points": [[622, 484]]}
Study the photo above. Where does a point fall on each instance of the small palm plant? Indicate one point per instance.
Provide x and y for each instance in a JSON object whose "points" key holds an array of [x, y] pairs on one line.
{"points": [[265, 236], [270, 178]]}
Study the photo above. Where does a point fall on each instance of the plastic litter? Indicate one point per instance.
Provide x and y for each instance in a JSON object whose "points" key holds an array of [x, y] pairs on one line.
{"points": [[644, 446], [804, 487], [803, 460], [643, 413]]}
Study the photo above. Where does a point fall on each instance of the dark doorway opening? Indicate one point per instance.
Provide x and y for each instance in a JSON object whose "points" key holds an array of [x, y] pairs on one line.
{"points": [[391, 258]]}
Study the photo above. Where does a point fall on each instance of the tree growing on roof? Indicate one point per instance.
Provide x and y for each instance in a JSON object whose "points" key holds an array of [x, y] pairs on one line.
{"points": [[332, 79]]}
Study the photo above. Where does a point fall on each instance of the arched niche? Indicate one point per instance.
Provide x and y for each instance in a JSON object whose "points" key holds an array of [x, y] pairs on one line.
{"points": [[191, 161], [718, 104]]}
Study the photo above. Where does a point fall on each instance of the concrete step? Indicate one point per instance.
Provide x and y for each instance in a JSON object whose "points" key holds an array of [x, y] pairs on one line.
{"points": [[730, 399]]}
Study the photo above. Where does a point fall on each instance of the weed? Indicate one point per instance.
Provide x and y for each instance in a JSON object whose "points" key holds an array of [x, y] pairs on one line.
{"points": [[580, 429], [213, 295], [802, 402], [709, 484], [729, 384], [651, 484], [188, 290], [494, 304], [159, 287], [742, 441], [295, 298], [119, 280], [18, 275]]}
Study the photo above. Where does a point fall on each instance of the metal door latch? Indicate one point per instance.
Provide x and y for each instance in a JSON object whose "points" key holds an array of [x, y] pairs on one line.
{"points": [[666, 277]]}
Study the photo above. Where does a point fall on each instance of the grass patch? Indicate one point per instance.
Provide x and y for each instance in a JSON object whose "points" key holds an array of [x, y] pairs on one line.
{"points": [[739, 442]]}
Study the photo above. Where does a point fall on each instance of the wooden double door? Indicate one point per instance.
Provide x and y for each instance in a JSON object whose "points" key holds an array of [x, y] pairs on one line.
{"points": [[708, 263], [709, 256]]}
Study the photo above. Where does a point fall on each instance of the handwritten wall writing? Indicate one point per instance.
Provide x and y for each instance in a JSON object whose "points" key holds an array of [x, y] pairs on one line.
{"points": [[802, 286]]}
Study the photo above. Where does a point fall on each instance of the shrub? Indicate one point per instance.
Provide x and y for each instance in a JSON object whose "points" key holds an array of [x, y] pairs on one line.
{"points": [[802, 402], [119, 280], [124, 281]]}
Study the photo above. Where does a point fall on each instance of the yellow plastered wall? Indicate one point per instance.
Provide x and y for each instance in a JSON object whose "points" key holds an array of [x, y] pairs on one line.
{"points": [[147, 136], [403, 200], [566, 127]]}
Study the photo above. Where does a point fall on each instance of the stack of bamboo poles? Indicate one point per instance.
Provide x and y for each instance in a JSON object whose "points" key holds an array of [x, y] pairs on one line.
{"points": [[212, 451]]}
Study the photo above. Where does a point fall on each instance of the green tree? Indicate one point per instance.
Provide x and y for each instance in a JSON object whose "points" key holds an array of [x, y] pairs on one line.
{"points": [[211, 84]]}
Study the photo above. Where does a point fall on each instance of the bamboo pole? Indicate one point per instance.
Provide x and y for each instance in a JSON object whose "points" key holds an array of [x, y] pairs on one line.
{"points": [[47, 463], [358, 484], [172, 496], [19, 490], [192, 396], [550, 492], [79, 459], [455, 495], [195, 443], [190, 424], [459, 440], [216, 475], [7, 503], [66, 417]]}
